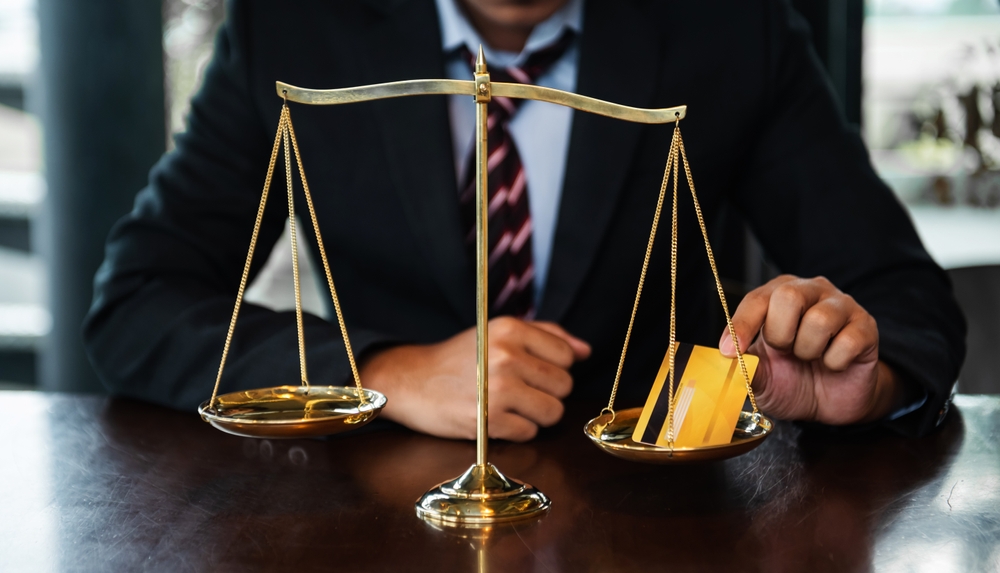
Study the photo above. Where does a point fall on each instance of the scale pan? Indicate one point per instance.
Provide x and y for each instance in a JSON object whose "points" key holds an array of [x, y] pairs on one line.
{"points": [[614, 436], [292, 411]]}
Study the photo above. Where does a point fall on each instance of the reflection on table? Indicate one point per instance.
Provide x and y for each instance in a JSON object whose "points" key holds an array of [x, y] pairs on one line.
{"points": [[88, 483]]}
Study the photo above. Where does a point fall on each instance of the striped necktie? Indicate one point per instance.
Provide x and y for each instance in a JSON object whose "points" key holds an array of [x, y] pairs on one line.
{"points": [[511, 267]]}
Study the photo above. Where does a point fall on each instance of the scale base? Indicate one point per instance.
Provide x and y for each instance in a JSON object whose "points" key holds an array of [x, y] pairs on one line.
{"points": [[481, 497]]}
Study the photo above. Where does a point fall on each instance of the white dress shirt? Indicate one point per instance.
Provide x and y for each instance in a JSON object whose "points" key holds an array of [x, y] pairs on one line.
{"points": [[540, 130]]}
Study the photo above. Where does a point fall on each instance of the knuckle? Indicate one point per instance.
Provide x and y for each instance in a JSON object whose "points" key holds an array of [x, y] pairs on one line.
{"points": [[822, 281], [501, 356], [788, 293], [753, 298], [872, 325], [549, 327], [504, 325], [842, 304], [823, 318]]}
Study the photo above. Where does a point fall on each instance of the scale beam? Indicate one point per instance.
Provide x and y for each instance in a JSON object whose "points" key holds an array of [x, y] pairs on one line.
{"points": [[468, 88]]}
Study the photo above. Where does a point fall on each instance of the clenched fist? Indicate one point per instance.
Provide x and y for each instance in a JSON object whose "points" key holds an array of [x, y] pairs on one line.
{"points": [[818, 352], [432, 388]]}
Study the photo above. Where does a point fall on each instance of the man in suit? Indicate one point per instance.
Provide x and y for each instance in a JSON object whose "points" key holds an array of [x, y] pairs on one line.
{"points": [[878, 340]]}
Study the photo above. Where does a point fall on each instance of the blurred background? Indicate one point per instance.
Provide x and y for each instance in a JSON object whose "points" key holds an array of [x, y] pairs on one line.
{"points": [[921, 79]]}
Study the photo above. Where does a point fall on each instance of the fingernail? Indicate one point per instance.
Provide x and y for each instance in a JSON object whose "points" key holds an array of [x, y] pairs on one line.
{"points": [[726, 345]]}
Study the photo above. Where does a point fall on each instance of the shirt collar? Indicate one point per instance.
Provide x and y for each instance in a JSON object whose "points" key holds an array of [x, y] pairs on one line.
{"points": [[457, 31]]}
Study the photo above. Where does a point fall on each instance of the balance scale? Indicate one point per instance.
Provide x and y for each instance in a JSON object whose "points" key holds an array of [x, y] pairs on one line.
{"points": [[482, 496]]}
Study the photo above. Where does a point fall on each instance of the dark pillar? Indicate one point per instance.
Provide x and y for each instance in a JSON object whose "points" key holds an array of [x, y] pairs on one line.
{"points": [[836, 27], [102, 104]]}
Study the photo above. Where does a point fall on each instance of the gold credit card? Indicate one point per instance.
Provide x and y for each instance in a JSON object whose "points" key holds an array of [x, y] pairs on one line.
{"points": [[708, 398]]}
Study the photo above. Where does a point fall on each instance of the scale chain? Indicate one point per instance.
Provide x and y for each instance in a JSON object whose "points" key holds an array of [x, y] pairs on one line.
{"points": [[642, 277], [246, 265], [718, 282], [300, 331], [672, 349], [326, 264], [286, 135], [675, 156]]}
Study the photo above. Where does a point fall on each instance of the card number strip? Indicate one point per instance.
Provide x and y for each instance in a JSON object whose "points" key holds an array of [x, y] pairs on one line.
{"points": [[659, 416]]}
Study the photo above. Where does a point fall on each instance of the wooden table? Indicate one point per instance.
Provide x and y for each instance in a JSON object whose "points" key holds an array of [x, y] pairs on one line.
{"points": [[96, 484]]}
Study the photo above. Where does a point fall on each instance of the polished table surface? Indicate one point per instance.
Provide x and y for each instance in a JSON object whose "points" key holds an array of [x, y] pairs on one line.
{"points": [[98, 484]]}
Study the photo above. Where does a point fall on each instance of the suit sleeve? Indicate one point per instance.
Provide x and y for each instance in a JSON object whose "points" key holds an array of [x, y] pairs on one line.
{"points": [[818, 208], [165, 292]]}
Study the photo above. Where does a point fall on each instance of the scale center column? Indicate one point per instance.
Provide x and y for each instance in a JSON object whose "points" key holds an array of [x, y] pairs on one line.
{"points": [[481, 496], [483, 97]]}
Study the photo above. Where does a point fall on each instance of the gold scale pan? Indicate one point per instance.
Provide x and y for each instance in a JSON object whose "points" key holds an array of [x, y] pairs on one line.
{"points": [[482, 496]]}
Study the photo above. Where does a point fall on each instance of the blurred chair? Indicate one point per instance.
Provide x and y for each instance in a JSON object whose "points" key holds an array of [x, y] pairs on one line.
{"points": [[978, 292], [101, 101]]}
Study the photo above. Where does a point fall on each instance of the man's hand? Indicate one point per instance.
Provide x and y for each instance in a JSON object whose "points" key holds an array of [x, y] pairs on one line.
{"points": [[818, 352], [432, 388]]}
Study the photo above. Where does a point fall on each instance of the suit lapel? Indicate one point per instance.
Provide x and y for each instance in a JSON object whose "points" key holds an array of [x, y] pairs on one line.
{"points": [[406, 44], [618, 56]]}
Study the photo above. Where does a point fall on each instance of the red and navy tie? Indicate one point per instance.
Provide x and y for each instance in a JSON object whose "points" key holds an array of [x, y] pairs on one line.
{"points": [[511, 268]]}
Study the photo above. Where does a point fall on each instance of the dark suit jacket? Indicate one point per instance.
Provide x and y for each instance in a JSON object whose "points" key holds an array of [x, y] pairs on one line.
{"points": [[763, 132]]}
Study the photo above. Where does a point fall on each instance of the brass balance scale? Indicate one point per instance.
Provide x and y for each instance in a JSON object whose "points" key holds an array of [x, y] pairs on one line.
{"points": [[482, 496]]}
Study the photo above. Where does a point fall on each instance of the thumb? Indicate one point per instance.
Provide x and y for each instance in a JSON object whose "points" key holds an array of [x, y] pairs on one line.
{"points": [[747, 320], [726, 346]]}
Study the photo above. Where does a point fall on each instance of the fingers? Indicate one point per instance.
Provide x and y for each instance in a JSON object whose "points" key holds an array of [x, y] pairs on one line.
{"points": [[807, 318], [510, 426], [856, 342], [515, 333], [819, 325], [528, 365], [749, 316], [543, 376], [812, 319], [581, 350], [818, 352], [518, 410], [529, 375], [519, 360], [545, 340], [534, 405], [789, 301]]}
